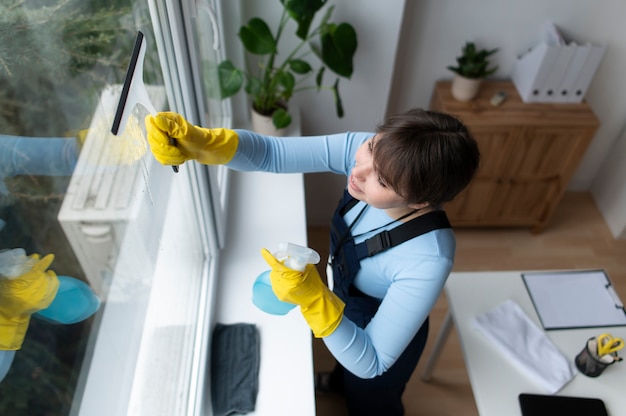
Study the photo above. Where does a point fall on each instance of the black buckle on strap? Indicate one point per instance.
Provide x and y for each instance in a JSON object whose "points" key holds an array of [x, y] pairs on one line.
{"points": [[380, 242]]}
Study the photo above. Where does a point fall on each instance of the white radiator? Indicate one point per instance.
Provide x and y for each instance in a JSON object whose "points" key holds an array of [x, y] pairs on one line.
{"points": [[116, 198]]}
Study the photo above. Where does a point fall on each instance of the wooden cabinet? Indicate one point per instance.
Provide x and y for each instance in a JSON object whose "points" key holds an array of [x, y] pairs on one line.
{"points": [[529, 153]]}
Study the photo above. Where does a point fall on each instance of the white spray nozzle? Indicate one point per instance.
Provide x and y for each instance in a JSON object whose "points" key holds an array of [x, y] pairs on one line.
{"points": [[296, 257], [14, 263]]}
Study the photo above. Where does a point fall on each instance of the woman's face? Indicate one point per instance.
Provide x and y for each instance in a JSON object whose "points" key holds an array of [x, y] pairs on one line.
{"points": [[365, 184]]}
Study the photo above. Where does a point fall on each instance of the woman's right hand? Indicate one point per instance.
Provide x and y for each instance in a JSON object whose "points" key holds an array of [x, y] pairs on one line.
{"points": [[173, 141]]}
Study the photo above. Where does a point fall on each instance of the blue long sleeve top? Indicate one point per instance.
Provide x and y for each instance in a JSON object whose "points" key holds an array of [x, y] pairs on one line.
{"points": [[408, 278]]}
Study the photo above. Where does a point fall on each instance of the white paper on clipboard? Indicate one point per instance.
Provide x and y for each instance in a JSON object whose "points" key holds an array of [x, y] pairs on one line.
{"points": [[574, 299]]}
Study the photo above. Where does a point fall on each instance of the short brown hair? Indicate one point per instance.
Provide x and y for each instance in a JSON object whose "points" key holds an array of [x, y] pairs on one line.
{"points": [[425, 156]]}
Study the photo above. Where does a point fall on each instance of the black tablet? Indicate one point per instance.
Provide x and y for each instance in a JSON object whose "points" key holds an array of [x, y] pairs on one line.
{"points": [[546, 405]]}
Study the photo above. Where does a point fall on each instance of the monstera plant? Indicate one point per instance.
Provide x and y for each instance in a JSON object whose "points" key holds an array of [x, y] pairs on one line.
{"points": [[272, 75]]}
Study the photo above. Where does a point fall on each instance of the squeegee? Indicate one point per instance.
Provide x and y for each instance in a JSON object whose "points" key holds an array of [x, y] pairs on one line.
{"points": [[134, 91]]}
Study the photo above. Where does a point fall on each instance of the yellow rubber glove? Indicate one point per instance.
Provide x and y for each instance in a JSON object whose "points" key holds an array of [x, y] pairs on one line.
{"points": [[321, 308], [208, 146], [22, 296]]}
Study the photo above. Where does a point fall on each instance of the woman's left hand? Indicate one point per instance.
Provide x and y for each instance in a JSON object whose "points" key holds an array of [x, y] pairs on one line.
{"points": [[321, 308]]}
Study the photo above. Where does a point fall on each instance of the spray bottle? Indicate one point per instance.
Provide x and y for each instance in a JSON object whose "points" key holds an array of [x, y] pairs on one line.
{"points": [[74, 300], [14, 263], [296, 257]]}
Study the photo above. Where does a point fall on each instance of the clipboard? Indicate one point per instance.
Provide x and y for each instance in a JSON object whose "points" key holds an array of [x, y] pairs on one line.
{"points": [[574, 299]]}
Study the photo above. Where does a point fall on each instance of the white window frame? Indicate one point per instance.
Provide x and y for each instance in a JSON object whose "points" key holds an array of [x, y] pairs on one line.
{"points": [[103, 390]]}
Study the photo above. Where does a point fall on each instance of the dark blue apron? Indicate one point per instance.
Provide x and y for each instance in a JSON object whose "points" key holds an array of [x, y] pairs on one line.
{"points": [[381, 394], [346, 255]]}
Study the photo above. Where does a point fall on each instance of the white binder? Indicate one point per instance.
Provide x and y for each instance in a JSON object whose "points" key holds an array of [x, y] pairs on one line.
{"points": [[549, 92], [554, 71], [566, 88], [588, 70], [532, 69]]}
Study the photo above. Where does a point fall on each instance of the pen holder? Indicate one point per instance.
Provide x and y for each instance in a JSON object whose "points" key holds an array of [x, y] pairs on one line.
{"points": [[589, 363]]}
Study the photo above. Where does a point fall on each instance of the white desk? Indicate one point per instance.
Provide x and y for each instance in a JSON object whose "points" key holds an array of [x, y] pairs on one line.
{"points": [[496, 383], [264, 210]]}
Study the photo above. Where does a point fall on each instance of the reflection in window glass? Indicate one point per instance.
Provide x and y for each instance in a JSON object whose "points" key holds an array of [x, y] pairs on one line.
{"points": [[98, 203], [206, 46]]}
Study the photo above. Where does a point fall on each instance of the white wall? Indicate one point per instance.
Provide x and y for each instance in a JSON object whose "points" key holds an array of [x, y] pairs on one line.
{"points": [[409, 44]]}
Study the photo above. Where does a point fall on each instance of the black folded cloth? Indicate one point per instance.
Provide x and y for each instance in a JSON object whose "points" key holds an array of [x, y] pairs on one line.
{"points": [[235, 358]]}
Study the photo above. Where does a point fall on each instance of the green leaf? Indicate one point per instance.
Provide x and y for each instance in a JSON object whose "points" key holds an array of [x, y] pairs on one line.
{"points": [[469, 50], [230, 79], [338, 48], [287, 81], [253, 87], [303, 12], [299, 66], [281, 118], [257, 37]]}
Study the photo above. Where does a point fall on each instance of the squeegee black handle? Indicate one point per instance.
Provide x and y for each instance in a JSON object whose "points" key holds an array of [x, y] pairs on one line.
{"points": [[126, 88], [172, 142]]}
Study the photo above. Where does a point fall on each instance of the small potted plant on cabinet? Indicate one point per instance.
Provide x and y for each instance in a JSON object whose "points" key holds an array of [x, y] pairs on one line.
{"points": [[271, 80], [472, 67]]}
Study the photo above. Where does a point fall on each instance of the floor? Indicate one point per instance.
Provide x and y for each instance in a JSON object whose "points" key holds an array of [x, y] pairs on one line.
{"points": [[577, 237]]}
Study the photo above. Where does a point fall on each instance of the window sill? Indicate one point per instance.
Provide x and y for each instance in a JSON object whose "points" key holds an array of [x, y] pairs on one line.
{"points": [[266, 209]]}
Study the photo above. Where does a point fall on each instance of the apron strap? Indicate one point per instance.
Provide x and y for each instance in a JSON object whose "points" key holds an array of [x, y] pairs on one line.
{"points": [[386, 239], [347, 203]]}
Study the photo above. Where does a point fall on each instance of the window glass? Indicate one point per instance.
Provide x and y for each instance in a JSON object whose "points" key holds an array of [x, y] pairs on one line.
{"points": [[128, 250], [207, 50]]}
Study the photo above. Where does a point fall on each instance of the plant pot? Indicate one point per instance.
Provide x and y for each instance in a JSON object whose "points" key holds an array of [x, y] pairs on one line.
{"points": [[263, 125], [465, 89]]}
